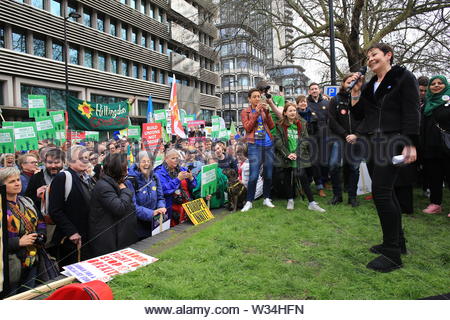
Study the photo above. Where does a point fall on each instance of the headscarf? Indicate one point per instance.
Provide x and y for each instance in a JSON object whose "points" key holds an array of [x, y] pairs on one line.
{"points": [[434, 100]]}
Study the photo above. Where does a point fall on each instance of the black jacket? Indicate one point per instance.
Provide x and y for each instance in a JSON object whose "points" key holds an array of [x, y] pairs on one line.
{"points": [[36, 181], [71, 216], [112, 220], [319, 115], [393, 108], [430, 136], [341, 119]]}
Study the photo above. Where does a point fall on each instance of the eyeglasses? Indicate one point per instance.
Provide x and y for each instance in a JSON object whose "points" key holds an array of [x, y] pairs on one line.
{"points": [[32, 162], [93, 159]]}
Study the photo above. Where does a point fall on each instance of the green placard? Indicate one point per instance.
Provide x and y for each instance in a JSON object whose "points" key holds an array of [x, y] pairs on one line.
{"points": [[25, 136], [92, 135], [58, 120], [45, 128], [37, 106], [159, 160], [6, 141], [160, 116], [209, 179], [60, 137], [215, 126], [8, 125], [134, 132]]}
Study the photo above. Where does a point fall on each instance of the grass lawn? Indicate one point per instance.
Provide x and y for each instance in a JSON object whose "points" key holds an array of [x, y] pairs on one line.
{"points": [[279, 254]]}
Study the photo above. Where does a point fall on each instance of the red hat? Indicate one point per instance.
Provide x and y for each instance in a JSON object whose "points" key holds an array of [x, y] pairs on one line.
{"points": [[93, 290]]}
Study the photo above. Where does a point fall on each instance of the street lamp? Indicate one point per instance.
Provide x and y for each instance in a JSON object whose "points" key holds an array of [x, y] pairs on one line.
{"points": [[229, 98], [74, 15]]}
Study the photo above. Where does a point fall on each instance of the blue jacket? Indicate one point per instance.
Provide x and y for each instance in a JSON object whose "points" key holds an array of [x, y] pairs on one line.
{"points": [[146, 199], [170, 185]]}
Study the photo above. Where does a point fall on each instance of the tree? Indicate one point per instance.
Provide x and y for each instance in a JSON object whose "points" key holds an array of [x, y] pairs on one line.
{"points": [[417, 29]]}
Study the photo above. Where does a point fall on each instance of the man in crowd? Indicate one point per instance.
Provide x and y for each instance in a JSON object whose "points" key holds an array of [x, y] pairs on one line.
{"points": [[423, 85], [71, 214], [28, 164]]}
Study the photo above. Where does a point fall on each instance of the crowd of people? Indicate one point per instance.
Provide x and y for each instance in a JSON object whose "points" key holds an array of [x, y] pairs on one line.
{"points": [[86, 199]]}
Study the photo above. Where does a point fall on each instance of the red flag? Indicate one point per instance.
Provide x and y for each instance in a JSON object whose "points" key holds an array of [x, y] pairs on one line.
{"points": [[177, 126]]}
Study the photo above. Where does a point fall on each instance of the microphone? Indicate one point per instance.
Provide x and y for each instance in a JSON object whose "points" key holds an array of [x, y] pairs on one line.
{"points": [[361, 72]]}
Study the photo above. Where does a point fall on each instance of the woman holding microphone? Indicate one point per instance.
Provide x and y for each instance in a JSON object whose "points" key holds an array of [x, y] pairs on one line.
{"points": [[389, 105]]}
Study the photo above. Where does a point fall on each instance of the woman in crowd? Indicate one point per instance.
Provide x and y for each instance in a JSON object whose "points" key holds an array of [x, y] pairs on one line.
{"points": [[148, 194], [26, 232], [436, 122], [177, 183], [343, 125], [217, 200], [257, 123], [225, 161], [8, 160], [389, 105], [28, 164], [244, 170], [112, 219], [292, 155]]}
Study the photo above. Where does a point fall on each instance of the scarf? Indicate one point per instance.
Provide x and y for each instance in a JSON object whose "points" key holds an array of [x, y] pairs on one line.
{"points": [[173, 173], [306, 114], [434, 100]]}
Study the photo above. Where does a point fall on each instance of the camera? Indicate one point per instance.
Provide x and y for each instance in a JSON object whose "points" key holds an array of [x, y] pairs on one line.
{"points": [[41, 239], [264, 87]]}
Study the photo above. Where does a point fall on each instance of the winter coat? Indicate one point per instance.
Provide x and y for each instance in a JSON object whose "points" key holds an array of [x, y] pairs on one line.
{"points": [[319, 116], [112, 220], [341, 120], [147, 198], [282, 151], [430, 135], [393, 108], [218, 198]]}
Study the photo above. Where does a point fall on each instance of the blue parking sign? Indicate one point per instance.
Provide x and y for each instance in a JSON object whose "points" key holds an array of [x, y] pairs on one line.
{"points": [[331, 91]]}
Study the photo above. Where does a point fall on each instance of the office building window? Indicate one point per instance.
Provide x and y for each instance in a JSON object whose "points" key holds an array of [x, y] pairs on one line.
{"points": [[112, 28], [134, 36], [144, 40], [39, 48], [135, 71], [143, 6], [123, 32], [153, 75], [55, 97], [19, 41], [74, 55], [160, 16], [2, 37], [101, 62], [38, 4], [97, 98], [123, 1], [101, 23], [144, 73], [88, 58], [152, 44], [87, 17], [125, 70], [55, 7], [57, 51], [114, 65], [161, 46], [72, 7], [133, 4], [162, 78], [152, 11]]}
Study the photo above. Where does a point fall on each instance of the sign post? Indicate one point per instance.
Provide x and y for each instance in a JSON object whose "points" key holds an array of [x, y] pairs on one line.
{"points": [[331, 91]]}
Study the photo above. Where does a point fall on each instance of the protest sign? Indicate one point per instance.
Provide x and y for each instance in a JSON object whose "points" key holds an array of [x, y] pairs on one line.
{"points": [[103, 268], [45, 128], [6, 140], [160, 223], [90, 116], [209, 179], [160, 117], [60, 137], [158, 160], [37, 106], [151, 134], [134, 132], [58, 120], [8, 125], [215, 126], [25, 136], [198, 211], [189, 117], [195, 123], [76, 136], [92, 135]]}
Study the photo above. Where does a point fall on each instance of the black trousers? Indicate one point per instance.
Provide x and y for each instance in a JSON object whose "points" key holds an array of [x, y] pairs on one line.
{"points": [[404, 196], [437, 171]]}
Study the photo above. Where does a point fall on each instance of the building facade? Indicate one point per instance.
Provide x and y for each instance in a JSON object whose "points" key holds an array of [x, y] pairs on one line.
{"points": [[116, 50]]}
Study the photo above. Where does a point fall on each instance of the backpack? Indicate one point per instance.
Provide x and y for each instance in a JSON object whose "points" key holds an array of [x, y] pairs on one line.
{"points": [[45, 197]]}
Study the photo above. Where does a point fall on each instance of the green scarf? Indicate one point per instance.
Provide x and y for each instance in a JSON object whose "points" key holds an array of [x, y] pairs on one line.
{"points": [[432, 100]]}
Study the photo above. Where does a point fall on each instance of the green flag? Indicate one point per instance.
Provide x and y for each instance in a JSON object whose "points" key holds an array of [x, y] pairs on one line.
{"points": [[37, 106], [6, 141], [209, 179], [90, 116], [25, 136], [45, 128]]}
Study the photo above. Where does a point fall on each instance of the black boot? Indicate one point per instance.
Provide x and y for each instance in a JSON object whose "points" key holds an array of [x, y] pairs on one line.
{"points": [[377, 249], [388, 261], [353, 202], [335, 200]]}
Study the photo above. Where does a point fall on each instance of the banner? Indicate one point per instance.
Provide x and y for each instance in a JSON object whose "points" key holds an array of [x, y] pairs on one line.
{"points": [[198, 211], [103, 268], [151, 134], [25, 136], [76, 136], [134, 132], [45, 128], [92, 136], [160, 223], [209, 179], [6, 140], [37, 106], [85, 115], [58, 120], [160, 117]]}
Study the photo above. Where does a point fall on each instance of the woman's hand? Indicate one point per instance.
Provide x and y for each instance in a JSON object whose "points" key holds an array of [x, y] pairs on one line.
{"points": [[27, 240], [351, 138], [208, 197], [182, 175], [410, 154], [292, 156], [122, 186]]}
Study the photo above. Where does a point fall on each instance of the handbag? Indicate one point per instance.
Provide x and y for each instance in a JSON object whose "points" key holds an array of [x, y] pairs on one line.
{"points": [[15, 269], [445, 135], [47, 266]]}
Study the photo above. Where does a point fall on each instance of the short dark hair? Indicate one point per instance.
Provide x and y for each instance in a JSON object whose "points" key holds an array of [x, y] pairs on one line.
{"points": [[250, 92], [423, 81], [56, 153], [384, 47], [115, 166], [301, 97], [313, 84]]}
